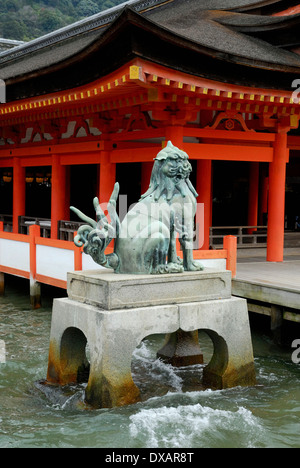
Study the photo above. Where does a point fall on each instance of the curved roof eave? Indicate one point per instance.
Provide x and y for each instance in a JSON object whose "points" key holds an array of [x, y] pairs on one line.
{"points": [[274, 59], [245, 23], [130, 23], [256, 4], [83, 26]]}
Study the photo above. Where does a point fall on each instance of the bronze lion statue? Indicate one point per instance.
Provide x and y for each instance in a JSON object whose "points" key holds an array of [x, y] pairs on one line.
{"points": [[145, 241]]}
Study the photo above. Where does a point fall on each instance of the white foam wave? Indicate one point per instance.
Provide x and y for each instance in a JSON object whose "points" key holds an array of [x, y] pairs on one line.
{"points": [[194, 426], [147, 364], [143, 351]]}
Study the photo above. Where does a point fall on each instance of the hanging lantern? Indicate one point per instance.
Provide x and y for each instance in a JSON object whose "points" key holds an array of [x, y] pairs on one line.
{"points": [[39, 178], [29, 178], [7, 177]]}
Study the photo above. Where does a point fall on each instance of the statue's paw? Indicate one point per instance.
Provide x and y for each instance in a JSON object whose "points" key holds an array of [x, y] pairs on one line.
{"points": [[175, 268], [168, 269], [195, 266]]}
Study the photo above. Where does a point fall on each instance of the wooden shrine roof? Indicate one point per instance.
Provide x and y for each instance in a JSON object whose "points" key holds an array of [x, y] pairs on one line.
{"points": [[216, 39]]}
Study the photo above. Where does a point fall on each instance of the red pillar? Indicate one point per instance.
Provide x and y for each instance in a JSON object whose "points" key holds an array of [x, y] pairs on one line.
{"points": [[59, 200], [253, 195], [107, 177], [277, 177], [204, 190], [18, 193]]}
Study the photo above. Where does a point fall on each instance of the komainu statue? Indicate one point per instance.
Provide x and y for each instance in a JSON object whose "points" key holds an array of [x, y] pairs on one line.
{"points": [[145, 241]]}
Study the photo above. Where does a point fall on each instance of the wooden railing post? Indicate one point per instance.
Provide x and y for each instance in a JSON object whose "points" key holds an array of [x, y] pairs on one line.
{"points": [[230, 244], [35, 287]]}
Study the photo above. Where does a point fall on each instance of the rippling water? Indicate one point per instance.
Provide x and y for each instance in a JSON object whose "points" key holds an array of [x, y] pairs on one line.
{"points": [[175, 411]]}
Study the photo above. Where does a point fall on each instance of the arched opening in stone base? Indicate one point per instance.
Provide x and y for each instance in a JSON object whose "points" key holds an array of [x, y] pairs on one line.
{"points": [[217, 365], [73, 356], [155, 378]]}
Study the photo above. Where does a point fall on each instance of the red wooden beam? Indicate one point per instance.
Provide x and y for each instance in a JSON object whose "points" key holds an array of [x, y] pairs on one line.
{"points": [[36, 161], [6, 162], [43, 150], [134, 154], [140, 135], [82, 158], [198, 151], [226, 135], [125, 88], [228, 152], [193, 84]]}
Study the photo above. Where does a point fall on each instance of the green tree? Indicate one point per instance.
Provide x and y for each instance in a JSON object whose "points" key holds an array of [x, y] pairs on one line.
{"points": [[50, 20], [64, 6], [12, 5], [28, 19], [87, 8], [13, 28]]}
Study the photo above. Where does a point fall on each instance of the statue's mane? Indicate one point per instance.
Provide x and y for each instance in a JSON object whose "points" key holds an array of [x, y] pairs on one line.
{"points": [[161, 184]]}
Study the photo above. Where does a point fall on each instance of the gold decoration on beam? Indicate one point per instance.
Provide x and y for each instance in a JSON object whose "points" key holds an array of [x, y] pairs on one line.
{"points": [[134, 72]]}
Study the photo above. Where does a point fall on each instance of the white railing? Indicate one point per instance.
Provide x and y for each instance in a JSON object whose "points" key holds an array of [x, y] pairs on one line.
{"points": [[26, 221], [247, 236], [48, 261], [41, 259]]}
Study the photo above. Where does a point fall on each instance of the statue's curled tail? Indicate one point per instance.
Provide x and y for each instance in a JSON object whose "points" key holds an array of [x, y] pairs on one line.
{"points": [[95, 236]]}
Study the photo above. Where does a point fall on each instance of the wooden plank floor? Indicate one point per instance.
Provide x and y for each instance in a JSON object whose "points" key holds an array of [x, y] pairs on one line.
{"points": [[268, 282]]}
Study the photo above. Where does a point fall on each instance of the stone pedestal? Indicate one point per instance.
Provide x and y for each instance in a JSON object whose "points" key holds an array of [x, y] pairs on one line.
{"points": [[114, 313], [111, 291]]}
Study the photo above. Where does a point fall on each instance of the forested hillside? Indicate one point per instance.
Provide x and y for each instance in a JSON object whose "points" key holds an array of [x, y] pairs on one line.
{"points": [[27, 19]]}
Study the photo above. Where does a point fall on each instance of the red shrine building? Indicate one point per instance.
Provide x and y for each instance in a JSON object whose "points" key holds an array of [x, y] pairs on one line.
{"points": [[93, 103]]}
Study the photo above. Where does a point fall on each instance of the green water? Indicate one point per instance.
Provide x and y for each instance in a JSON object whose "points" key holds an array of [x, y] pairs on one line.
{"points": [[172, 414]]}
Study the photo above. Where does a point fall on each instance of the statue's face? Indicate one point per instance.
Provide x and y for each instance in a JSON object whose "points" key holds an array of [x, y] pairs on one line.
{"points": [[176, 168]]}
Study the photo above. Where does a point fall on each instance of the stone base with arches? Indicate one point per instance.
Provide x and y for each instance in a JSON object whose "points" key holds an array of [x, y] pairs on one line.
{"points": [[113, 334]]}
